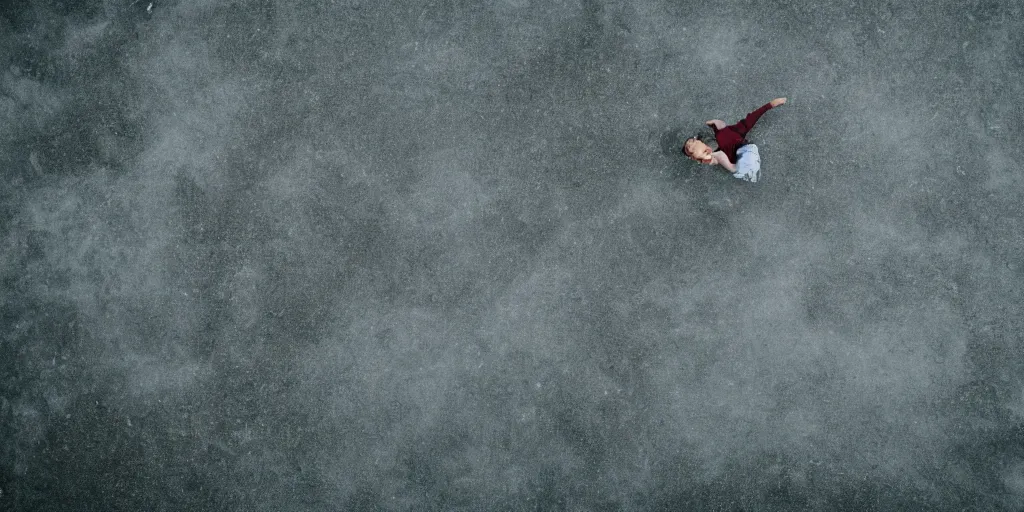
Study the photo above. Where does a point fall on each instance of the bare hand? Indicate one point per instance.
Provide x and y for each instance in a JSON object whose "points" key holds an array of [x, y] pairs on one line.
{"points": [[778, 101]]}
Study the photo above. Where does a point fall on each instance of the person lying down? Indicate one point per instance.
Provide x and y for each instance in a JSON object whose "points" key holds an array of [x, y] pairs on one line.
{"points": [[735, 154]]}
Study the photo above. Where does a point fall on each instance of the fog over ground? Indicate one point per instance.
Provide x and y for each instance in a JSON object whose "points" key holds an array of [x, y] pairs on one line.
{"points": [[446, 255]]}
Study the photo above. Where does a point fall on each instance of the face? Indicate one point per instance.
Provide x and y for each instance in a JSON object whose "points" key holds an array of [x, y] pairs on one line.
{"points": [[697, 150]]}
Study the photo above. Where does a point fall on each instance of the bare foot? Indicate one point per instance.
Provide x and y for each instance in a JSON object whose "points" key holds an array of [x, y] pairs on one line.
{"points": [[778, 101]]}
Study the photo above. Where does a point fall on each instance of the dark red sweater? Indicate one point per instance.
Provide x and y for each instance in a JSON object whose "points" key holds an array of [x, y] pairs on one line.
{"points": [[731, 137]]}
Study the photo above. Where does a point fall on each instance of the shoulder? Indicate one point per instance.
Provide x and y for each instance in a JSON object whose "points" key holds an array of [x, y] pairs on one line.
{"points": [[720, 158]]}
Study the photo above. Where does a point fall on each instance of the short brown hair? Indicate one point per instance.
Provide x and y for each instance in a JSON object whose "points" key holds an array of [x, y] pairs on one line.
{"points": [[702, 136]]}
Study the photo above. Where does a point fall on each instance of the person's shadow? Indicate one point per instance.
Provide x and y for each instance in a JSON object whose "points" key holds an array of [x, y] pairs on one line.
{"points": [[672, 141]]}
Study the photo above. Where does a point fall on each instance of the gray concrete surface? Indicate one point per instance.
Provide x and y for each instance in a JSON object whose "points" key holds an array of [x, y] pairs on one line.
{"points": [[443, 255]]}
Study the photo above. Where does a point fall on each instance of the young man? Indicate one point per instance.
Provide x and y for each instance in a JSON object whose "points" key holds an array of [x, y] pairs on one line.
{"points": [[734, 153]]}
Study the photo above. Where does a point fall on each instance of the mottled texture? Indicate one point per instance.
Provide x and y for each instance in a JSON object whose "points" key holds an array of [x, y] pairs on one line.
{"points": [[446, 255]]}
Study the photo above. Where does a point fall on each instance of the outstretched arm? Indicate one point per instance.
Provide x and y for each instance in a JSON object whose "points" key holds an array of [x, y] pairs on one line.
{"points": [[716, 124], [748, 122]]}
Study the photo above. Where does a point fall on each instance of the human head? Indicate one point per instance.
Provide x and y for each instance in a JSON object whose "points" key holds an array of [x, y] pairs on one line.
{"points": [[696, 149]]}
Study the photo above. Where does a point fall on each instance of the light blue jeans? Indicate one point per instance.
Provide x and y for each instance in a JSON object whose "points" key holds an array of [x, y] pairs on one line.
{"points": [[748, 163]]}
